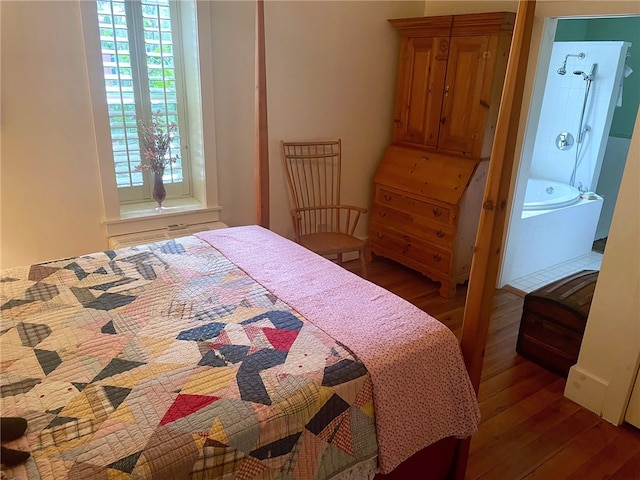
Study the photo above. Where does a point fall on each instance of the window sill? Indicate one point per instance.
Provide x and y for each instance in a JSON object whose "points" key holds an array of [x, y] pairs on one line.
{"points": [[142, 217], [169, 207]]}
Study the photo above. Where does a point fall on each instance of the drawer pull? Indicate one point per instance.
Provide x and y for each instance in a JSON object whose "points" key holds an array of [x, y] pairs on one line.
{"points": [[437, 212], [380, 235], [382, 214], [436, 256], [439, 233], [387, 198]]}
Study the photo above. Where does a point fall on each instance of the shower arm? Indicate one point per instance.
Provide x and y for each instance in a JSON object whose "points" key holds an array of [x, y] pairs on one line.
{"points": [[563, 69]]}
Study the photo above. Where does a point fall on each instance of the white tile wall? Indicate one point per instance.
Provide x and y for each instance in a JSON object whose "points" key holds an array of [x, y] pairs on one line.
{"points": [[562, 107]]}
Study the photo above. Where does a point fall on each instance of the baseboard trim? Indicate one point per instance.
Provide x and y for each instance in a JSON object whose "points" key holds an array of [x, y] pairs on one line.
{"points": [[586, 389]]}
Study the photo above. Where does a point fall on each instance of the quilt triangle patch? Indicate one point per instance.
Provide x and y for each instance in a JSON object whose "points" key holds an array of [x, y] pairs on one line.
{"points": [[217, 433], [77, 269], [221, 339], [185, 405], [79, 386], [116, 395], [14, 302], [48, 360], [116, 366], [280, 339], [342, 437], [108, 328], [61, 421], [39, 272], [109, 301], [127, 463], [272, 298]]}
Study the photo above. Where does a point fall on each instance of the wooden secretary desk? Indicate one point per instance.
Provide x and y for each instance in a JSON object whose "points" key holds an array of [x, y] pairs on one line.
{"points": [[428, 188]]}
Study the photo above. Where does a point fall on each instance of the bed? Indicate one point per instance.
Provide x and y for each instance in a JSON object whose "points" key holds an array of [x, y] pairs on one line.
{"points": [[232, 353]]}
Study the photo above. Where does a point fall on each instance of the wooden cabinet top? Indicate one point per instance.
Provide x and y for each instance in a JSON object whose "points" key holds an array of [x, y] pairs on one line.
{"points": [[454, 25]]}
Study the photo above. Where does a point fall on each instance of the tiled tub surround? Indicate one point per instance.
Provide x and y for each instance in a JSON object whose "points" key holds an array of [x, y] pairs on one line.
{"points": [[550, 237]]}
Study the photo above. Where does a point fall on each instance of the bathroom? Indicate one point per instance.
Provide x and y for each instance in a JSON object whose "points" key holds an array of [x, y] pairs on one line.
{"points": [[585, 100]]}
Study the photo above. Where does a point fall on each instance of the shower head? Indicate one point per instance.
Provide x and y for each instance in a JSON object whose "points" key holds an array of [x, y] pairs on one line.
{"points": [[563, 69]]}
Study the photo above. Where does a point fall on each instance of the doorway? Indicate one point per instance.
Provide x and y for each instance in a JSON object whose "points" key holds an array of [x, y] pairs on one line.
{"points": [[547, 243]]}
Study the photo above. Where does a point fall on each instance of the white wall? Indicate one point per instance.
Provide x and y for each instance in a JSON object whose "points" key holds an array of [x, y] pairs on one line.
{"points": [[50, 191], [610, 351], [331, 73]]}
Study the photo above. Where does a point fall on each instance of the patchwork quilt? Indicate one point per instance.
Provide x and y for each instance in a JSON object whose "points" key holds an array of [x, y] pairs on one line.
{"points": [[168, 361]]}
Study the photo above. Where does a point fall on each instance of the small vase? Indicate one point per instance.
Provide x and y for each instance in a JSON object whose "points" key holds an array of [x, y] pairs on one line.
{"points": [[159, 193]]}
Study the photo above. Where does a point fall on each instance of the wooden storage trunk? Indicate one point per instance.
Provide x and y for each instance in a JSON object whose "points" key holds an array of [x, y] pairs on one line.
{"points": [[553, 321]]}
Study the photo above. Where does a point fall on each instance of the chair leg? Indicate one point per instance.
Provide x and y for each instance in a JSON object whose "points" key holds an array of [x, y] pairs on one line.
{"points": [[339, 258], [363, 264]]}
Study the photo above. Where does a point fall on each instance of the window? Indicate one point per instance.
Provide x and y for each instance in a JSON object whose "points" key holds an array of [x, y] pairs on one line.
{"points": [[186, 96], [142, 69]]}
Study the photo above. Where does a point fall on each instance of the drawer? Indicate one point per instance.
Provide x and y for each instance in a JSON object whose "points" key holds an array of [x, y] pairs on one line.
{"points": [[414, 224], [409, 246], [431, 211]]}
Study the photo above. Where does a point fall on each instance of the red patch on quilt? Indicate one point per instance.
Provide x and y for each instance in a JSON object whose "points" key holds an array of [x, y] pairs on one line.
{"points": [[185, 405], [280, 339]]}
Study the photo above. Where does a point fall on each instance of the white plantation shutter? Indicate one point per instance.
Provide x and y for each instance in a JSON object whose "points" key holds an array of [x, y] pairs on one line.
{"points": [[140, 44]]}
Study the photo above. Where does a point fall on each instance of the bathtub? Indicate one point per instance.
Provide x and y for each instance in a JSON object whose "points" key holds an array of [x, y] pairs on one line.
{"points": [[554, 228], [546, 195]]}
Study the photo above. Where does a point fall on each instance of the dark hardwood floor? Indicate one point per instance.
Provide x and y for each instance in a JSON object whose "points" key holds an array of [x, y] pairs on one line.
{"points": [[529, 430]]}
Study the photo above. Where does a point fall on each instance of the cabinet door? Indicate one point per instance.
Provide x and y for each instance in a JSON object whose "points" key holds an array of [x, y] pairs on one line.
{"points": [[423, 65], [466, 95]]}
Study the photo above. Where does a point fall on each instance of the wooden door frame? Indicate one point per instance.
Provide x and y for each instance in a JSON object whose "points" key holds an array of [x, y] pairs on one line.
{"points": [[490, 234]]}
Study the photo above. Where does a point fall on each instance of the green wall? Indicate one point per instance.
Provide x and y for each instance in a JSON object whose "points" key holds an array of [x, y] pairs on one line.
{"points": [[625, 29]]}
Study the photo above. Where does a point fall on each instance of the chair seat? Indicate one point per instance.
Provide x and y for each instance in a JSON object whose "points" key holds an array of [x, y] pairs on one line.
{"points": [[328, 243]]}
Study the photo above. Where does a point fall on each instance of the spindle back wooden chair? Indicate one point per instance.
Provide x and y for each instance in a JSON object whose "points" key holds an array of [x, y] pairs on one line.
{"points": [[320, 222]]}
